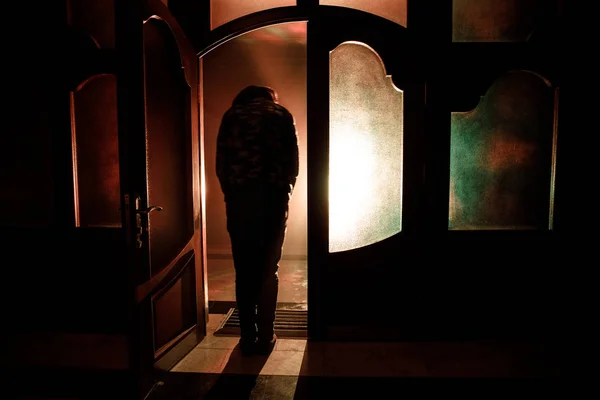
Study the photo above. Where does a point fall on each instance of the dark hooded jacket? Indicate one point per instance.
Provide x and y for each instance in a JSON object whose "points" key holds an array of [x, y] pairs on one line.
{"points": [[257, 143]]}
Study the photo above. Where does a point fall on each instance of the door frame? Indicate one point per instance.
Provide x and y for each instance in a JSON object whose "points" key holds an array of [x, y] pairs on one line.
{"points": [[430, 23], [316, 122]]}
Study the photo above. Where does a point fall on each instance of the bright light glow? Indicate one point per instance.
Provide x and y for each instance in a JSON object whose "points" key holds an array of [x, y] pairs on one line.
{"points": [[351, 170], [365, 149]]}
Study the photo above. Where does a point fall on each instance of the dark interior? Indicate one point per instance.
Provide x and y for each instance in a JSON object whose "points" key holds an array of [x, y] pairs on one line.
{"points": [[108, 94]]}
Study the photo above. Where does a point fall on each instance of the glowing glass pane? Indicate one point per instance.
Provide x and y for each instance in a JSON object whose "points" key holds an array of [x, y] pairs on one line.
{"points": [[223, 11], [365, 149], [394, 10], [501, 160], [495, 21]]}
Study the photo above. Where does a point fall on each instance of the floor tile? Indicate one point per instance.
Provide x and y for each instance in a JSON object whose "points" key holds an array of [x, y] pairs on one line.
{"points": [[214, 320], [203, 360], [218, 342], [372, 360], [283, 363], [238, 364], [290, 344], [313, 362], [246, 387]]}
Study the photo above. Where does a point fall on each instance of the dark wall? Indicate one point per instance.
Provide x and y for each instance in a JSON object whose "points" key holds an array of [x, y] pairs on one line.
{"points": [[55, 279]]}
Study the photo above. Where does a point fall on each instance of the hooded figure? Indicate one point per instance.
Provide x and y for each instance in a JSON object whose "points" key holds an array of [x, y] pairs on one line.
{"points": [[257, 167]]}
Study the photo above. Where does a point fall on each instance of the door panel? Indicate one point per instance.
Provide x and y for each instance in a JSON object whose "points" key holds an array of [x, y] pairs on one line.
{"points": [[168, 146], [96, 173], [174, 306], [377, 78], [503, 160], [161, 181], [427, 282]]}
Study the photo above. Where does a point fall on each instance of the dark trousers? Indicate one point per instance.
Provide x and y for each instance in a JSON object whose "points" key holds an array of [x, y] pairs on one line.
{"points": [[256, 222]]}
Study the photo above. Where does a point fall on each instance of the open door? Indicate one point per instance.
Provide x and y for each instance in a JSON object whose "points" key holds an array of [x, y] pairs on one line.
{"points": [[160, 164], [365, 111]]}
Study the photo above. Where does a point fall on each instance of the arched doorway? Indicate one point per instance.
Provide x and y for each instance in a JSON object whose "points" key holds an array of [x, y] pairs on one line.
{"points": [[396, 78], [274, 56], [388, 281]]}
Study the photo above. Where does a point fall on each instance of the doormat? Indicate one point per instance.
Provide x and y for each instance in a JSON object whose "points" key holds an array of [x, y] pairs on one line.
{"points": [[288, 323]]}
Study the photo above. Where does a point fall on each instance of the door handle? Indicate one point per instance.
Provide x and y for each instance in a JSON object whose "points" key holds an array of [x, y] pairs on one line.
{"points": [[139, 223], [148, 210]]}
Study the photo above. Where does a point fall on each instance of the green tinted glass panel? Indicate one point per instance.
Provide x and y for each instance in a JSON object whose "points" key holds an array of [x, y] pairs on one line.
{"points": [[501, 157]]}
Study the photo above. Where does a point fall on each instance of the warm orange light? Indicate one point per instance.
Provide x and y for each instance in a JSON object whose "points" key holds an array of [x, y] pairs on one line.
{"points": [[223, 11], [394, 10]]}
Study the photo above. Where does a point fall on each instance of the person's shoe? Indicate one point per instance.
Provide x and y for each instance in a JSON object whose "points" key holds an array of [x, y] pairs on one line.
{"points": [[264, 347], [247, 346]]}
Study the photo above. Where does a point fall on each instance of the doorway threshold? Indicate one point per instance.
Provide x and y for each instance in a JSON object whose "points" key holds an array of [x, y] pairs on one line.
{"points": [[289, 323], [223, 307]]}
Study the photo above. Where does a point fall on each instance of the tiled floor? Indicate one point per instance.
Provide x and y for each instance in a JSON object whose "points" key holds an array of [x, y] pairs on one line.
{"points": [[220, 354], [298, 369], [301, 369]]}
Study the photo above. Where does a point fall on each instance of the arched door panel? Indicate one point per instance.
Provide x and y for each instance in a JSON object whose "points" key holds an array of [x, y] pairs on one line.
{"points": [[160, 180], [365, 99]]}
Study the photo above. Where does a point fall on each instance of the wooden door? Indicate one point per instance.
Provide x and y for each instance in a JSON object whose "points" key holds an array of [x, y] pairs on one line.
{"points": [[503, 208], [365, 112], [160, 165], [419, 257]]}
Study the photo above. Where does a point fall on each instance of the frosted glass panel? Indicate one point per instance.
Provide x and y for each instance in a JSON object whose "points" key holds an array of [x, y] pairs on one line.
{"points": [[501, 160], [494, 20], [394, 10], [223, 11], [365, 149]]}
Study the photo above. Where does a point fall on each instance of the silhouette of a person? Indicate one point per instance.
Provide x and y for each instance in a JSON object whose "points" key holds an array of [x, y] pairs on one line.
{"points": [[257, 167]]}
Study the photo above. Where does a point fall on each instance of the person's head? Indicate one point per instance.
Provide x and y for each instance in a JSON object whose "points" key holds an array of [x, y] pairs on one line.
{"points": [[251, 93]]}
